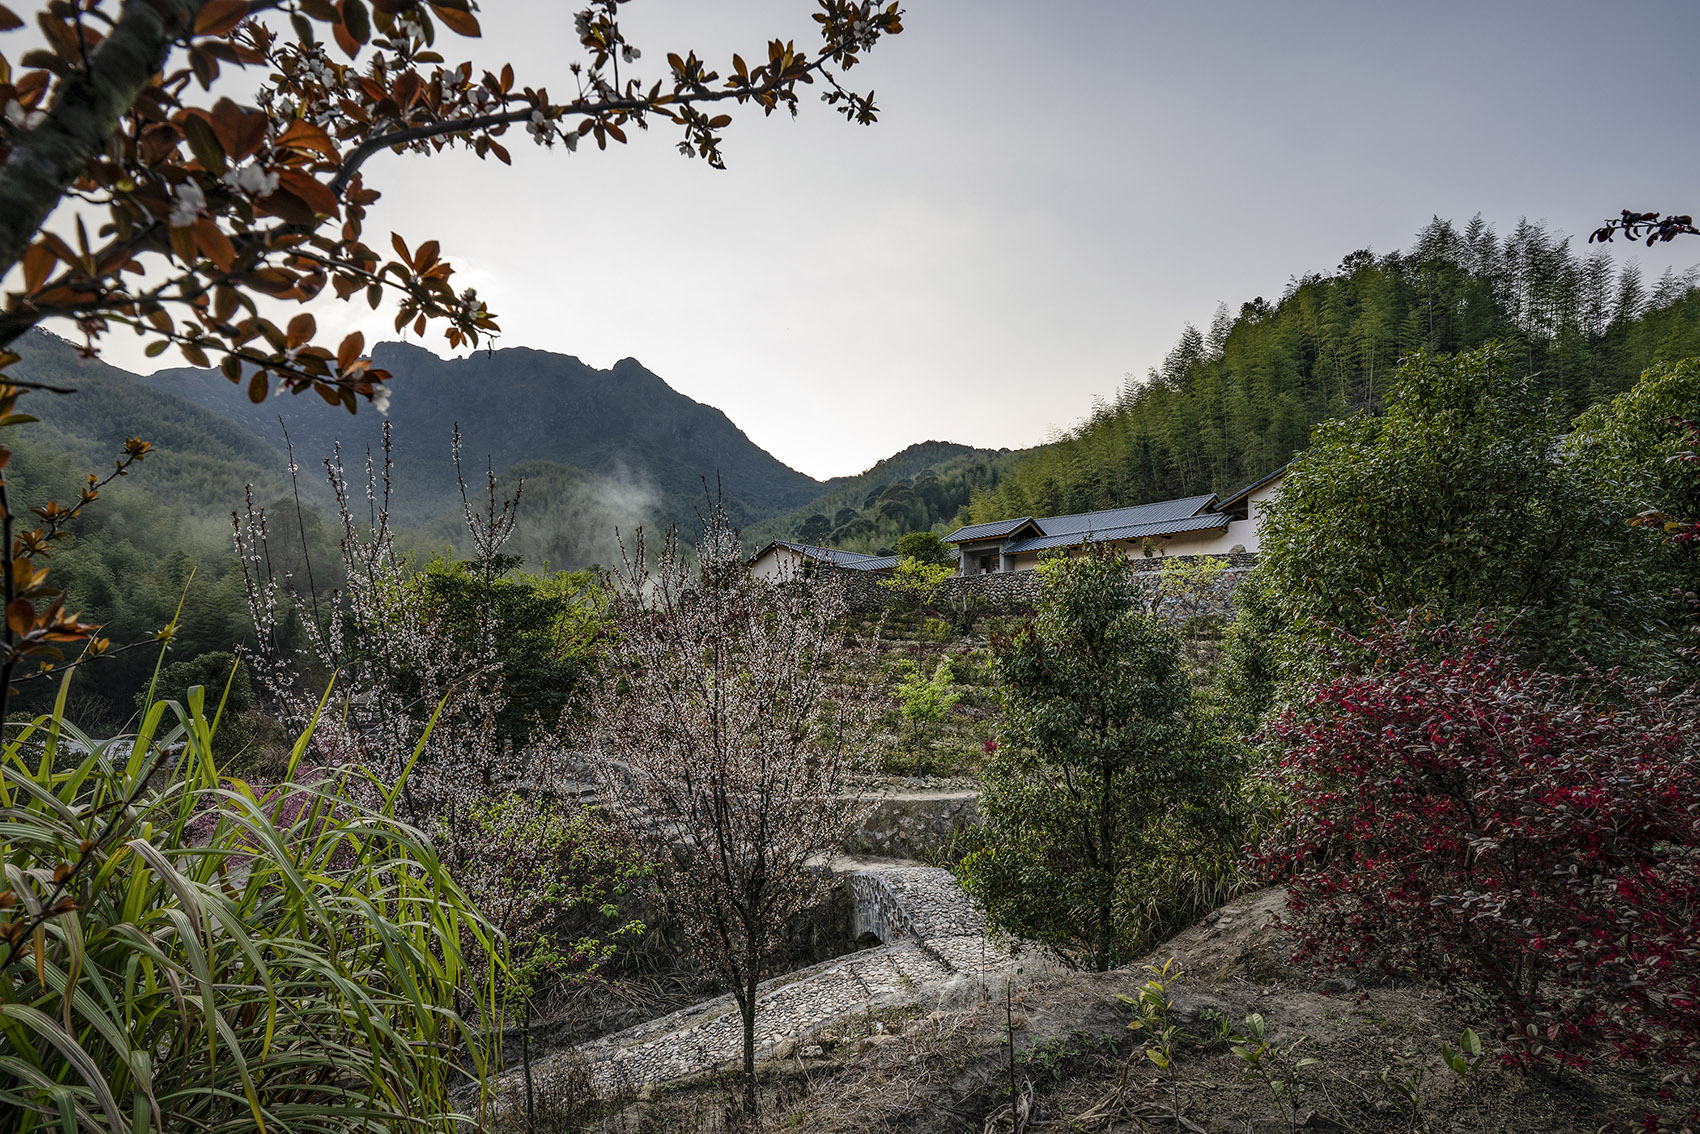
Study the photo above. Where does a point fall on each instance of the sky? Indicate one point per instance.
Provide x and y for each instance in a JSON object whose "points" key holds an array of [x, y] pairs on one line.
{"points": [[1054, 189]]}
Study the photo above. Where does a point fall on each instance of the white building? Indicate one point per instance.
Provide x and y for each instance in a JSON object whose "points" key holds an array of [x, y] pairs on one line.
{"points": [[1191, 525]]}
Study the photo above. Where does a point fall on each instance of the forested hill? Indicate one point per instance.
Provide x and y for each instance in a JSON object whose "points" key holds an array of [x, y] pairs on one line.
{"points": [[200, 462], [623, 424], [1236, 402], [922, 487]]}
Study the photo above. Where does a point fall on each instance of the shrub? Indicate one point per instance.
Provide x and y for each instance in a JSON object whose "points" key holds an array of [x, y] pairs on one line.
{"points": [[1103, 813], [177, 953], [1531, 836], [1465, 496]]}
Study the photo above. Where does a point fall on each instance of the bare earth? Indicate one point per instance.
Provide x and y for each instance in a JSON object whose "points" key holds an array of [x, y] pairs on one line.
{"points": [[1078, 1067]]}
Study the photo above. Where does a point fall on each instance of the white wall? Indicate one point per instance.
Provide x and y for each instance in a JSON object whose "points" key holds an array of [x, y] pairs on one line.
{"points": [[778, 564]]}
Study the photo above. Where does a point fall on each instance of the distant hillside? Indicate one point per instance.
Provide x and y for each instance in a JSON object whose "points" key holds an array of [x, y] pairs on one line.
{"points": [[201, 461], [648, 447], [922, 487], [1234, 403]]}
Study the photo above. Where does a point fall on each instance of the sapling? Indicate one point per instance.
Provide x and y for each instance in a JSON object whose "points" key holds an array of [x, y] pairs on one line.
{"points": [[1262, 1060], [1156, 1021], [925, 702]]}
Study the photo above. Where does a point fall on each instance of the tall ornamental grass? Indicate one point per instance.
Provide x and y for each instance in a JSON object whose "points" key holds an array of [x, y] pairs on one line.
{"points": [[182, 952]]}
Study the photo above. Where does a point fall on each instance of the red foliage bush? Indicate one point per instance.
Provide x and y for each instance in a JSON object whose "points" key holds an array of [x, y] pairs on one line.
{"points": [[1529, 835]]}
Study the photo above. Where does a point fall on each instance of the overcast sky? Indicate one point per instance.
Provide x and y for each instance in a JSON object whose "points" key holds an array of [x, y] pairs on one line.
{"points": [[1054, 189]]}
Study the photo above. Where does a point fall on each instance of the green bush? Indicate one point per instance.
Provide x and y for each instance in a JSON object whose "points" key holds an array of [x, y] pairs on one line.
{"points": [[179, 952], [1466, 498], [1108, 816]]}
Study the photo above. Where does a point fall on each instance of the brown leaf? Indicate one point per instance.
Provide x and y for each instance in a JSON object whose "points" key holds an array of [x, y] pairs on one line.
{"points": [[350, 350], [38, 260], [8, 20], [304, 135], [20, 617], [218, 17], [215, 244], [356, 20], [301, 329], [204, 144], [459, 21], [315, 193]]}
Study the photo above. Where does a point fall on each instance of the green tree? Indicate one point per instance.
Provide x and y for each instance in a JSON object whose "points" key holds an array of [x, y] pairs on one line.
{"points": [[1634, 438], [1463, 499], [924, 547], [925, 702], [918, 582], [1102, 786], [541, 627]]}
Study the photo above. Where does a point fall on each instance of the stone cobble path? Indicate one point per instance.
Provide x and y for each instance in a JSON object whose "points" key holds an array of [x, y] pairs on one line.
{"points": [[934, 948]]}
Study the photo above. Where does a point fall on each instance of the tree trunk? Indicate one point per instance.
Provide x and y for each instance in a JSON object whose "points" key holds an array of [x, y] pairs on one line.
{"points": [[525, 1057], [45, 161], [1106, 863], [748, 1007]]}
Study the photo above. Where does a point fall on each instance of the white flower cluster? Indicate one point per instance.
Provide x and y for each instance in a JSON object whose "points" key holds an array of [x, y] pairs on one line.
{"points": [[630, 53], [581, 23], [860, 32], [479, 98], [409, 36], [381, 399], [539, 127], [316, 66], [18, 116], [253, 180], [186, 204]]}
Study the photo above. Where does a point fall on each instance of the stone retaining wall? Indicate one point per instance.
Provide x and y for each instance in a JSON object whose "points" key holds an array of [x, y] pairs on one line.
{"points": [[908, 826], [1017, 592]]}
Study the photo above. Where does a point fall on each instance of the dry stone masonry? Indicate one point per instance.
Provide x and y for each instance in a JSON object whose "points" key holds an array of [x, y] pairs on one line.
{"points": [[1015, 592], [934, 951]]}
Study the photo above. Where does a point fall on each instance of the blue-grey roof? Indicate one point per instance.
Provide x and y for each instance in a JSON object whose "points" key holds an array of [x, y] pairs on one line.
{"points": [[849, 560], [1252, 487], [1079, 523], [997, 529], [830, 555], [1161, 511], [1172, 526]]}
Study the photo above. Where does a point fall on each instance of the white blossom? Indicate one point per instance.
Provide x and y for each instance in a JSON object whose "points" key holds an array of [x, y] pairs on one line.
{"points": [[630, 53], [186, 204], [254, 180], [381, 399], [18, 116]]}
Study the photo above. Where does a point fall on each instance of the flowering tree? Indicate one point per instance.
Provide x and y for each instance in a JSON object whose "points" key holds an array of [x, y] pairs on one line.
{"points": [[133, 196], [727, 728], [1527, 834]]}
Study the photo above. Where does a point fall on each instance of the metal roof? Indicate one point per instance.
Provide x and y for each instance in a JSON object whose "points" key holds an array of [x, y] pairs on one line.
{"points": [[849, 560], [830, 555], [1162, 510], [994, 530], [1252, 487], [1081, 522], [1126, 531]]}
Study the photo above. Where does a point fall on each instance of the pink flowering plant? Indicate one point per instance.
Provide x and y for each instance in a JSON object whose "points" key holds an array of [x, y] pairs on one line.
{"points": [[1528, 837]]}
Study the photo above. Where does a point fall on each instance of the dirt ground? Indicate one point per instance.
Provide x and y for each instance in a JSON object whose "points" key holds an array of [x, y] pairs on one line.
{"points": [[1340, 1056]]}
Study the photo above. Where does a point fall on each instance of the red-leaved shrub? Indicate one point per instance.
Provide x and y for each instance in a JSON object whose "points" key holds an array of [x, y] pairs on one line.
{"points": [[1532, 836]]}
